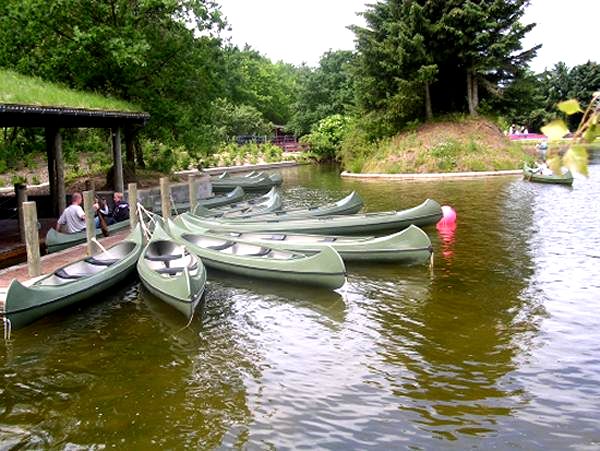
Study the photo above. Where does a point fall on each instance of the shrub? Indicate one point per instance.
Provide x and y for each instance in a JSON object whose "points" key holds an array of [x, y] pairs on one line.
{"points": [[326, 136]]}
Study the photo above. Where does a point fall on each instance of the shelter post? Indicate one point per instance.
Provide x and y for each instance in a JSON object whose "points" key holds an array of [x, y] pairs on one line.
{"points": [[21, 195], [118, 160], [193, 194], [132, 198], [49, 136], [32, 239], [165, 195], [90, 226], [60, 172]]}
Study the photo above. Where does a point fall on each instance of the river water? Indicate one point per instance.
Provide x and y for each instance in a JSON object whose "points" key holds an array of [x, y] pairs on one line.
{"points": [[497, 347]]}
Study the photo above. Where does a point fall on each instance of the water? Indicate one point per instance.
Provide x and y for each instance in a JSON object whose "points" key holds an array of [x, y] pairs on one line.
{"points": [[499, 347]]}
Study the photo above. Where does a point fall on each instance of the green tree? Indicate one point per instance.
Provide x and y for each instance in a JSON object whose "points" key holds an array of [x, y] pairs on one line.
{"points": [[161, 54], [323, 91]]}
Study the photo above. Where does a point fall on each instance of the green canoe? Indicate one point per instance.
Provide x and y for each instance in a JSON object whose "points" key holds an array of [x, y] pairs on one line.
{"points": [[350, 204], [72, 283], [242, 205], [276, 178], [269, 205], [325, 269], [231, 197], [262, 183], [57, 241], [535, 175], [170, 272], [429, 212], [409, 246]]}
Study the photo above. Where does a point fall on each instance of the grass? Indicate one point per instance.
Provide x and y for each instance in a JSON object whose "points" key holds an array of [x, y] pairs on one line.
{"points": [[23, 90], [451, 145]]}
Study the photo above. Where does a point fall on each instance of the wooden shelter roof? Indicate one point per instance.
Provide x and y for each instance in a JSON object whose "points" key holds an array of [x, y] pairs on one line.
{"points": [[16, 115]]}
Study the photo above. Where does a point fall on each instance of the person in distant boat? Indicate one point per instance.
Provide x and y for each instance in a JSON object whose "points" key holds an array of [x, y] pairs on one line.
{"points": [[120, 211], [544, 169], [72, 220], [542, 148]]}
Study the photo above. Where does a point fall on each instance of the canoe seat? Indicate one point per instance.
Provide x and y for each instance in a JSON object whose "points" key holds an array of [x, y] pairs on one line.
{"points": [[105, 262], [259, 253], [235, 234], [277, 237], [328, 239], [164, 251], [65, 275], [221, 246], [162, 258]]}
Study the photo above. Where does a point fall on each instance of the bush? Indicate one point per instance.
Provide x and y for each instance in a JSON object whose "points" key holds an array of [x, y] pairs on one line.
{"points": [[326, 136]]}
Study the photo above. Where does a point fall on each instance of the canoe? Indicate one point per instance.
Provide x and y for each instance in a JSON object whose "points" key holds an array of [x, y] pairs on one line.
{"points": [[275, 177], [350, 204], [429, 212], [72, 283], [269, 205], [171, 273], [324, 269], [263, 183], [242, 205], [57, 241], [231, 197], [533, 175], [409, 246]]}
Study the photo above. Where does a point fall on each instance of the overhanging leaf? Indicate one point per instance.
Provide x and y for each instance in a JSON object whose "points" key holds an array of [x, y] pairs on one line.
{"points": [[591, 133], [555, 164], [570, 107], [576, 159], [555, 130]]}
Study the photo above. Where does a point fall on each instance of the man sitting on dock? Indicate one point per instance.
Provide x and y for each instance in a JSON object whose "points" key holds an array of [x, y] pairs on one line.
{"points": [[120, 211], [72, 220]]}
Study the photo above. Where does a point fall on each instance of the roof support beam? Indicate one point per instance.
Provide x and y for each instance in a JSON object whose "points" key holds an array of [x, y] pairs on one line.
{"points": [[118, 182]]}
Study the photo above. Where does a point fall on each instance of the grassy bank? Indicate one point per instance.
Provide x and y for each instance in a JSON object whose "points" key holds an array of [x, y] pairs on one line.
{"points": [[456, 145], [20, 89]]}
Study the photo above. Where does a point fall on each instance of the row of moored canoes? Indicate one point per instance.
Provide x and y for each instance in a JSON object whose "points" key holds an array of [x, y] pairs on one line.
{"points": [[250, 238]]}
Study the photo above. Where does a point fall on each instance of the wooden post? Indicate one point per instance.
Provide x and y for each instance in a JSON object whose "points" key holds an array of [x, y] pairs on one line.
{"points": [[49, 134], [193, 193], [60, 172], [32, 239], [165, 197], [118, 160], [90, 226], [21, 195], [132, 198]]}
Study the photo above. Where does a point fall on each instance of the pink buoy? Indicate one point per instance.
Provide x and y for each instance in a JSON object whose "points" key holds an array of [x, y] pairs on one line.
{"points": [[448, 218]]}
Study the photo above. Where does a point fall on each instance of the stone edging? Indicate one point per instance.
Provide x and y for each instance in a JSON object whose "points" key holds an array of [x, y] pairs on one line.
{"points": [[434, 176]]}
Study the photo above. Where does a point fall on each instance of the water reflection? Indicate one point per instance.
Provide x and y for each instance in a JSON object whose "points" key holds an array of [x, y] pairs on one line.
{"points": [[496, 348]]}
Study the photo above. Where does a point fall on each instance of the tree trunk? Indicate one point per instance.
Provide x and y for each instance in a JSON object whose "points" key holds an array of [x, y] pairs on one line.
{"points": [[470, 92], [428, 110], [475, 94], [139, 153]]}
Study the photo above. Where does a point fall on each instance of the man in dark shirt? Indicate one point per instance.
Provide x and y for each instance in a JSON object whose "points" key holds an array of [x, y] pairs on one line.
{"points": [[120, 211]]}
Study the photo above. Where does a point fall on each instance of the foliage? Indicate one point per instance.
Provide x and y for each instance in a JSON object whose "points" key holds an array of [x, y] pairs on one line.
{"points": [[252, 79], [232, 120], [415, 56], [165, 158], [575, 158], [323, 91], [235, 154], [326, 136]]}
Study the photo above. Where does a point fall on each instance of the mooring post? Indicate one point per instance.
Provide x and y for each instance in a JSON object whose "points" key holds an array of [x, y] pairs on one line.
{"points": [[90, 226], [132, 198], [193, 193], [165, 197], [32, 239], [21, 195]]}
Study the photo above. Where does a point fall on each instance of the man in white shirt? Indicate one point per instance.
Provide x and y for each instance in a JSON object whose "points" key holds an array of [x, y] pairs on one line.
{"points": [[72, 219]]}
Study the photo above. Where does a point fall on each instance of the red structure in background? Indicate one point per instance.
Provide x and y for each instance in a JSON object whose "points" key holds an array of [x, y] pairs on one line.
{"points": [[289, 143]]}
